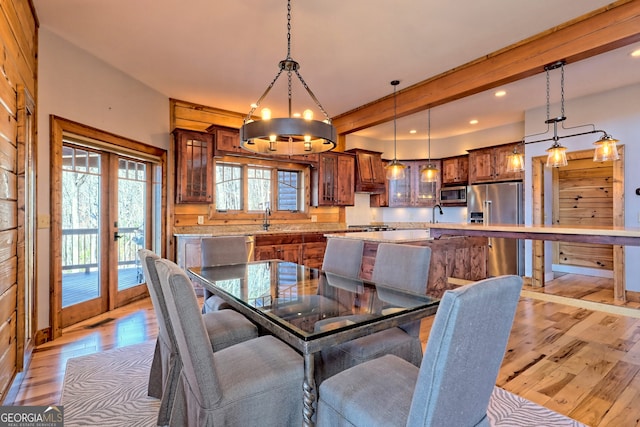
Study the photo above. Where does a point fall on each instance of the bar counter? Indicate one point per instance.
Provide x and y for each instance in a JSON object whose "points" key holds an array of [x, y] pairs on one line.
{"points": [[629, 236]]}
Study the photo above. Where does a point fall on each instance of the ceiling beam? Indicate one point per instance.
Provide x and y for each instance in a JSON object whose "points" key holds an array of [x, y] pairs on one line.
{"points": [[605, 29]]}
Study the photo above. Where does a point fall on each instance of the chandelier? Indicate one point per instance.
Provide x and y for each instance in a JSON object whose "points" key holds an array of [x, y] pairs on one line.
{"points": [[606, 146], [288, 135]]}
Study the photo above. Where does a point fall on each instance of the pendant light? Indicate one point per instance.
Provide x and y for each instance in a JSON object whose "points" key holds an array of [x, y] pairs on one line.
{"points": [[429, 173], [606, 149], [290, 135], [515, 161], [606, 146], [557, 156], [395, 169]]}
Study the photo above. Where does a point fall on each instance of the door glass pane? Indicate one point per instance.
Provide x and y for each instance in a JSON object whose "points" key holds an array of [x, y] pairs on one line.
{"points": [[80, 225], [132, 208]]}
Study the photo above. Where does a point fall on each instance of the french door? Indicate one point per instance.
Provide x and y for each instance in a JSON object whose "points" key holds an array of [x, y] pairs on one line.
{"points": [[105, 220], [109, 206]]}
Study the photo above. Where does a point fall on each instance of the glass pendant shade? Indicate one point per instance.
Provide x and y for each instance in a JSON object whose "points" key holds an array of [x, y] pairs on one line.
{"points": [[606, 149], [429, 173], [395, 170], [515, 162], [557, 156]]}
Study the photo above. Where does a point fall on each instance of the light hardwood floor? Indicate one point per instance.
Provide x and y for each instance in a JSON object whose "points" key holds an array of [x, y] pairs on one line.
{"points": [[581, 362]]}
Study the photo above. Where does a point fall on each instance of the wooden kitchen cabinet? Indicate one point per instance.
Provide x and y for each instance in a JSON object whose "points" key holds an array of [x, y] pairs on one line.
{"points": [[291, 252], [369, 173], [227, 141], [490, 164], [194, 166], [335, 179], [411, 191], [455, 170], [301, 248]]}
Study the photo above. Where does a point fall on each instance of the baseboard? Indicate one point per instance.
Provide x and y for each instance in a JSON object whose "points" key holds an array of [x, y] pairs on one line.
{"points": [[632, 296], [42, 336]]}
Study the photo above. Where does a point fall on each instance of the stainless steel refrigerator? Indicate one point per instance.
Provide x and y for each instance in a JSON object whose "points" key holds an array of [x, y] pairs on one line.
{"points": [[499, 203]]}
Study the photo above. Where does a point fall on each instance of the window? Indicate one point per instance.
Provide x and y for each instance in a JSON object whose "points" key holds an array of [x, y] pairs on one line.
{"points": [[247, 189], [228, 187], [259, 185]]}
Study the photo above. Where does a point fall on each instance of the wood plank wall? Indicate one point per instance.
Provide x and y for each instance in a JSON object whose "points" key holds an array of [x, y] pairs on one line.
{"points": [[186, 115], [18, 69], [584, 197]]}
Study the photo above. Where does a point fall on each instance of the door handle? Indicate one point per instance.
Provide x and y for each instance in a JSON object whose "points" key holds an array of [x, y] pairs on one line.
{"points": [[116, 236], [487, 220]]}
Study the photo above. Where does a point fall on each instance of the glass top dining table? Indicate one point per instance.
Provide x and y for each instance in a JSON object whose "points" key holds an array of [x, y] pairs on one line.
{"points": [[311, 309]]}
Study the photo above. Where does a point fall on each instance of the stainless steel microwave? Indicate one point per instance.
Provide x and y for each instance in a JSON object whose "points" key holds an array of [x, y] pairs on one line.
{"points": [[453, 195]]}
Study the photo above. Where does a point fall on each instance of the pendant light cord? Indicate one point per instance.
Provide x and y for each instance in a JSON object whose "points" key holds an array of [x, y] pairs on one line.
{"points": [[429, 134], [395, 84]]}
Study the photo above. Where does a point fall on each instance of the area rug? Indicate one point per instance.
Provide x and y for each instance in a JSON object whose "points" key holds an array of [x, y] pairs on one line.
{"points": [[110, 389]]}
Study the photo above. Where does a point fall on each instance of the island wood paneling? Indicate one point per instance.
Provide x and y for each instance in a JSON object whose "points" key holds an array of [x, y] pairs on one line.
{"points": [[457, 257]]}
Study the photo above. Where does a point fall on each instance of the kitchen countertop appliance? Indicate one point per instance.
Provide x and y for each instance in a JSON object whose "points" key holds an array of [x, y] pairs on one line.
{"points": [[499, 203]]}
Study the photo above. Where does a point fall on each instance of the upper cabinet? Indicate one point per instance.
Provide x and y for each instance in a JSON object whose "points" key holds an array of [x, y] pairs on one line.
{"points": [[227, 140], [335, 179], [194, 166], [490, 164], [370, 174], [455, 170], [411, 191]]}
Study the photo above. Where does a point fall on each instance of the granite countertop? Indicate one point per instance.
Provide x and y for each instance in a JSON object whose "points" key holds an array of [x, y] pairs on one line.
{"points": [[392, 236], [252, 230]]}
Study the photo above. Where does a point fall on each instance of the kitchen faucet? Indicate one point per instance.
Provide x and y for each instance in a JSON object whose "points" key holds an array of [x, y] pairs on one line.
{"points": [[265, 223], [433, 213]]}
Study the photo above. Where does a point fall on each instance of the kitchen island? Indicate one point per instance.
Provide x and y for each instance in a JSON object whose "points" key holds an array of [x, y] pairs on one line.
{"points": [[617, 236], [457, 257]]}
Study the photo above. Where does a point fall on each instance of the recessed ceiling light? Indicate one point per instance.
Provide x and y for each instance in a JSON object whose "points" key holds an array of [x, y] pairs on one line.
{"points": [[413, 131], [636, 53], [500, 93], [473, 122]]}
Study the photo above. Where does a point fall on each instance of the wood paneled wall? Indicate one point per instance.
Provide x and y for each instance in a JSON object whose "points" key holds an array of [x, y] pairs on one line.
{"points": [[18, 72], [186, 115], [584, 196]]}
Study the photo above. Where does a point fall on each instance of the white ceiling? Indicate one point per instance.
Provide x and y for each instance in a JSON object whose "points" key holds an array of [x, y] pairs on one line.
{"points": [[224, 53]]}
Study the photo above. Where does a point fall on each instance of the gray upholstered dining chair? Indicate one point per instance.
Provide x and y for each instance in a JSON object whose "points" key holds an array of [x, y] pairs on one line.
{"points": [[396, 265], [256, 382], [224, 328], [343, 257], [221, 250], [453, 385]]}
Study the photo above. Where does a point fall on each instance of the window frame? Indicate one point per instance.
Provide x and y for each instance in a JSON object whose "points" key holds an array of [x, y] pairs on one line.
{"points": [[275, 166]]}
